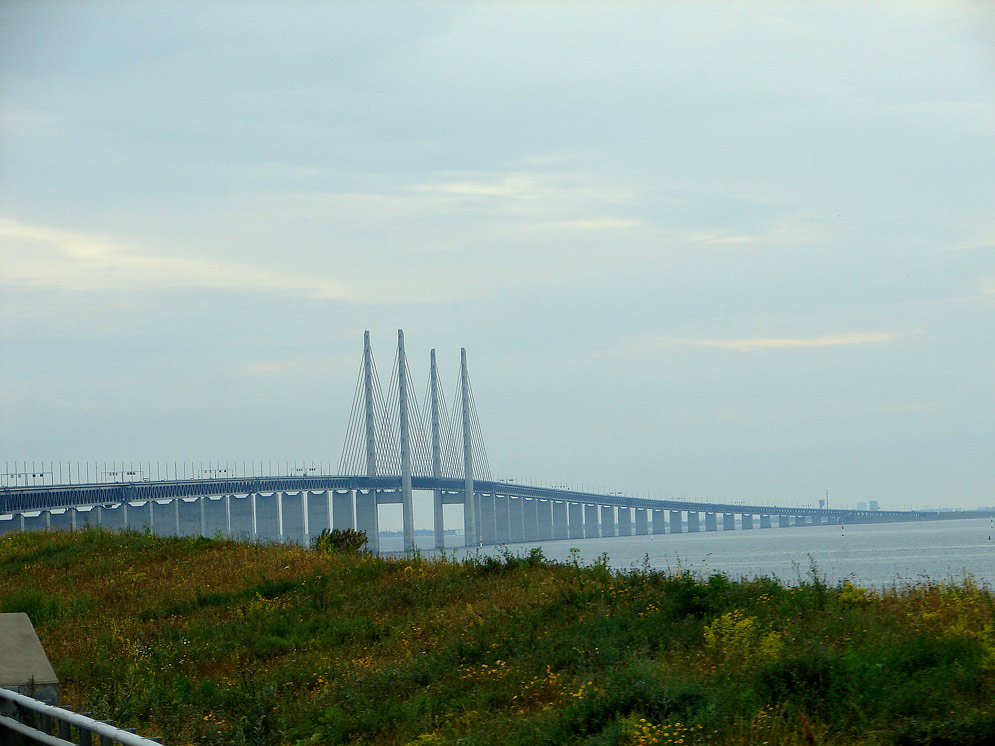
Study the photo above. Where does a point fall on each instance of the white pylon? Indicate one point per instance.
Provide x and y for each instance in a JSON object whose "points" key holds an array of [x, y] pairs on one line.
{"points": [[469, 501], [440, 526], [407, 518]]}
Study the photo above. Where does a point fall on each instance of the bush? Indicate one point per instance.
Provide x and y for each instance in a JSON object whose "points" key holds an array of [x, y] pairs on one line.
{"points": [[339, 540]]}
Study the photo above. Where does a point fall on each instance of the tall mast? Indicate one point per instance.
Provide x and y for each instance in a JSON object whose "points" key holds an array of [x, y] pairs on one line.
{"points": [[371, 432], [469, 503], [402, 389], [440, 526]]}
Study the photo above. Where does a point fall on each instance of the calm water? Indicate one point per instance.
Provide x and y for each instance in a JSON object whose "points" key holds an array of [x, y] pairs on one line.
{"points": [[869, 555]]}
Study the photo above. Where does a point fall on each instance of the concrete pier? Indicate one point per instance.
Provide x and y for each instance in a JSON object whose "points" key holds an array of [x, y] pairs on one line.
{"points": [[293, 517], [676, 522], [344, 510], [502, 526], [764, 521], [693, 526], [642, 527], [746, 521], [531, 517], [659, 523], [516, 511], [488, 522], [728, 521], [710, 522], [241, 515], [591, 522], [783, 521], [60, 521], [575, 517], [608, 527], [319, 513], [545, 509], [624, 521], [561, 528], [368, 518]]}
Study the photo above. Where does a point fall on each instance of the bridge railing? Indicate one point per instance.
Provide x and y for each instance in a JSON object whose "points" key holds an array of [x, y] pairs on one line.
{"points": [[35, 721]]}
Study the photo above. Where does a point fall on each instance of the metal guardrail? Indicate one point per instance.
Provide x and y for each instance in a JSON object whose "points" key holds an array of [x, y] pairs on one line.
{"points": [[48, 718]]}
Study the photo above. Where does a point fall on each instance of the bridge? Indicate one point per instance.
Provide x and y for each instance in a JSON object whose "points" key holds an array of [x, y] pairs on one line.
{"points": [[393, 448]]}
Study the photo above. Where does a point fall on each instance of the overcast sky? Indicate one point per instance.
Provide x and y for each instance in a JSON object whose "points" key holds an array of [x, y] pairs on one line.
{"points": [[739, 251]]}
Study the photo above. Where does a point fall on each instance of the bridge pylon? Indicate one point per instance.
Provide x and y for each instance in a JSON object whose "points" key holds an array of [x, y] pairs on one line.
{"points": [[391, 436]]}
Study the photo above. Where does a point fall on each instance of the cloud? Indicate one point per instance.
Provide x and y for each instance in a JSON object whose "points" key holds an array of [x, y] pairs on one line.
{"points": [[551, 188], [597, 224], [751, 344], [56, 258]]}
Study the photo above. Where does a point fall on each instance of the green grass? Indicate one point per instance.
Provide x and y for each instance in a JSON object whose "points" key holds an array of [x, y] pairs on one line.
{"points": [[217, 642]]}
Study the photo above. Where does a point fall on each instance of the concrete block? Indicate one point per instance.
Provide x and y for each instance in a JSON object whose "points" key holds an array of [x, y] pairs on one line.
{"points": [[24, 667]]}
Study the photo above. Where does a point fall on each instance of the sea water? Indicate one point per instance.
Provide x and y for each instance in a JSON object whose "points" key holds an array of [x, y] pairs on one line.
{"points": [[874, 555]]}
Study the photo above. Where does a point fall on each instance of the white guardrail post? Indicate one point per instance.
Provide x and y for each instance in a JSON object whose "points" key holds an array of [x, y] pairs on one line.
{"points": [[66, 720]]}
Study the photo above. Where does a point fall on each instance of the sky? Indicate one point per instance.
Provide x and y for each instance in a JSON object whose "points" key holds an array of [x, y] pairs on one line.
{"points": [[715, 250]]}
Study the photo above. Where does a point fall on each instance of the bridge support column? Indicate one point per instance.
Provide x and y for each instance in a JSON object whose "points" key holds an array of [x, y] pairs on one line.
{"points": [[676, 524], [516, 512], [305, 524], [560, 528], [642, 525], [575, 512], [368, 518], [344, 510], [693, 527], [710, 523], [608, 527], [124, 516], [624, 522], [728, 521], [292, 514], [502, 528], [241, 516], [228, 515], [487, 524], [659, 524], [136, 516], [800, 520], [319, 513], [531, 518], [764, 521], [545, 520], [75, 513], [279, 516], [56, 521], [203, 516], [783, 521], [591, 522], [746, 521]]}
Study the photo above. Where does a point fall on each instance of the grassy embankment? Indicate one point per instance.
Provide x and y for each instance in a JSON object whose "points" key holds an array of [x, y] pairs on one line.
{"points": [[215, 642]]}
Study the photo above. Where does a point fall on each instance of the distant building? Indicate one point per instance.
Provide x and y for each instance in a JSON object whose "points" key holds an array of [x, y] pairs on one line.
{"points": [[862, 506], [873, 505]]}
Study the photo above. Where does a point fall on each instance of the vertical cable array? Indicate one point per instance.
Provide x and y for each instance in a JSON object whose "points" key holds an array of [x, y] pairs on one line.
{"points": [[387, 426]]}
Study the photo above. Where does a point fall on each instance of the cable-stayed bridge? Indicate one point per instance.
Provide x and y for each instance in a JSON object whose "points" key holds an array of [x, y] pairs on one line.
{"points": [[393, 448]]}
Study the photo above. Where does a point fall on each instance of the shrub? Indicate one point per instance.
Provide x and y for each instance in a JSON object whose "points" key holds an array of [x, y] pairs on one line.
{"points": [[339, 540], [737, 641]]}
